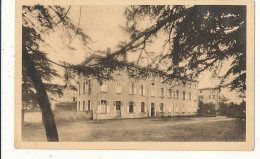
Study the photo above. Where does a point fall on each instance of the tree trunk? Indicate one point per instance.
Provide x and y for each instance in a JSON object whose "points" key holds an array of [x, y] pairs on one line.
{"points": [[42, 97]]}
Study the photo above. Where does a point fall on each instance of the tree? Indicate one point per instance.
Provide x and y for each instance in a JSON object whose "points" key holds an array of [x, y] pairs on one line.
{"points": [[37, 72], [198, 38]]}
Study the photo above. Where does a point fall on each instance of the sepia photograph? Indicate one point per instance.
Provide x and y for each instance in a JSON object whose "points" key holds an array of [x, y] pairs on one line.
{"points": [[171, 73]]}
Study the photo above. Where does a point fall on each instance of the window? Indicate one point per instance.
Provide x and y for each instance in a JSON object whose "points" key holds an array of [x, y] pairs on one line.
{"points": [[169, 93], [89, 86], [79, 88], [161, 107], [195, 85], [177, 94], [104, 86], [131, 107], [189, 85], [183, 95], [200, 91], [176, 109], [132, 89], [118, 105], [89, 105], [103, 106], [84, 106], [118, 72], [118, 87], [161, 79], [84, 86], [211, 96], [141, 90], [152, 89], [200, 97], [74, 99], [194, 97], [142, 107], [162, 92], [189, 95], [79, 106]]}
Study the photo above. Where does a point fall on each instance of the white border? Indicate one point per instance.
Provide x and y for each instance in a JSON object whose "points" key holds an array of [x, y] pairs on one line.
{"points": [[7, 113]]}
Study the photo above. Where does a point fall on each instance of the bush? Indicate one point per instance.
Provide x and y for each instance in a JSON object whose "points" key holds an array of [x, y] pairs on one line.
{"points": [[73, 115]]}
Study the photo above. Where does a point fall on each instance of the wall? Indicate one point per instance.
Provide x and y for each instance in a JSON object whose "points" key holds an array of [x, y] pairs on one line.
{"points": [[205, 93]]}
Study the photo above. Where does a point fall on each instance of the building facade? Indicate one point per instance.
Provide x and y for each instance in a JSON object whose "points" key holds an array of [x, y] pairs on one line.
{"points": [[135, 98], [209, 95]]}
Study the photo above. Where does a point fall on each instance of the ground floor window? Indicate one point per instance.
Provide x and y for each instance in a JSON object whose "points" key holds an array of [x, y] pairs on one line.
{"points": [[161, 107], [131, 107], [142, 107], [89, 105], [84, 106], [102, 107]]}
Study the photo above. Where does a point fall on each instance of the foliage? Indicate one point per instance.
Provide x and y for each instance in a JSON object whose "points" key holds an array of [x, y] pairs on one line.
{"points": [[38, 22], [236, 110], [199, 38]]}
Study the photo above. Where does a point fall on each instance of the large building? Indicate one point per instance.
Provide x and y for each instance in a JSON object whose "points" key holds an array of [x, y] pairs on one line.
{"points": [[209, 95], [135, 98]]}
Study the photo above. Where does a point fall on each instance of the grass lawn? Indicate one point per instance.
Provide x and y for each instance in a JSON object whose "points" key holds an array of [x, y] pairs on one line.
{"points": [[146, 129]]}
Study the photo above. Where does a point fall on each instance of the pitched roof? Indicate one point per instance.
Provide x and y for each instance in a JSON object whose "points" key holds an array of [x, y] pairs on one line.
{"points": [[91, 57], [207, 88]]}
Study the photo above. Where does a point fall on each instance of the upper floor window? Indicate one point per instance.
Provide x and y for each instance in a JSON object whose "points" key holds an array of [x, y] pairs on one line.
{"points": [[211, 96], [177, 94], [132, 89], [152, 89], [141, 90], [118, 72], [183, 95], [189, 95], [169, 93], [200, 91], [84, 87], [104, 86], [161, 79], [200, 97], [79, 88], [89, 86], [162, 92], [118, 87]]}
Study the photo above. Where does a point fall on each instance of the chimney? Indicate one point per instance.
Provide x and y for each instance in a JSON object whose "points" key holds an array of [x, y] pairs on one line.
{"points": [[125, 56], [108, 50]]}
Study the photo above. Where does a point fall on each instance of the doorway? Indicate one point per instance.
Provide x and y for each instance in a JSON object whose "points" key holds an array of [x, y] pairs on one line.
{"points": [[118, 108], [152, 110]]}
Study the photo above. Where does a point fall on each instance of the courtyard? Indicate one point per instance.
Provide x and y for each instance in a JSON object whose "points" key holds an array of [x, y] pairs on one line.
{"points": [[183, 129]]}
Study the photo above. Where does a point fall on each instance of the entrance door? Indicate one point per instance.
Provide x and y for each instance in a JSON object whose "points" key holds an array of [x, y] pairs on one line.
{"points": [[152, 110], [118, 108]]}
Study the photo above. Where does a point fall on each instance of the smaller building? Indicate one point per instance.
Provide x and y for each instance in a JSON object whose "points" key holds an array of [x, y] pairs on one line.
{"points": [[209, 95]]}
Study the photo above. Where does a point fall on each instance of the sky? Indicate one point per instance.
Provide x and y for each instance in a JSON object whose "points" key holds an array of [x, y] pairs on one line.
{"points": [[102, 24]]}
